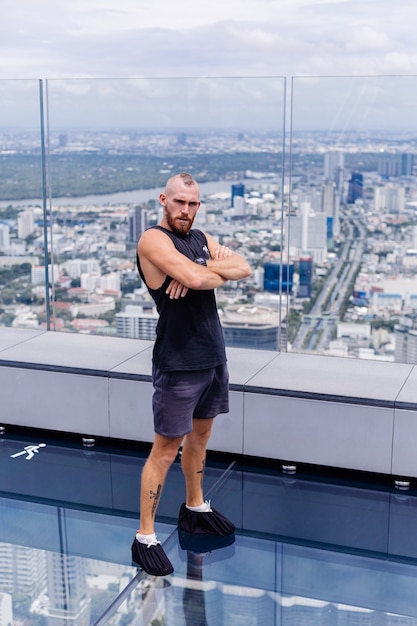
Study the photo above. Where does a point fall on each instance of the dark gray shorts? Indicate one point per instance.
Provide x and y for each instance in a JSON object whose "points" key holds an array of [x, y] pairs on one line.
{"points": [[181, 396]]}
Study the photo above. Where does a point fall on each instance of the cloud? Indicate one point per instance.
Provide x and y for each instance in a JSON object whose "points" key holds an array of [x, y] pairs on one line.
{"points": [[178, 103], [185, 64], [97, 38], [366, 38]]}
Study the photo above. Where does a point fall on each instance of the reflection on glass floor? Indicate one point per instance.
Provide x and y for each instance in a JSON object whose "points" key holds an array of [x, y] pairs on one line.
{"points": [[308, 550]]}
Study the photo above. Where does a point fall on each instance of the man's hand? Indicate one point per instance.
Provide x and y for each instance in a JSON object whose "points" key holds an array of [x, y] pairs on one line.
{"points": [[226, 263], [222, 252], [176, 290]]}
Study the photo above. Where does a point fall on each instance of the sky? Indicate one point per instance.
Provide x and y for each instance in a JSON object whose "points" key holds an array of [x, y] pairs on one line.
{"points": [[241, 51], [155, 38]]}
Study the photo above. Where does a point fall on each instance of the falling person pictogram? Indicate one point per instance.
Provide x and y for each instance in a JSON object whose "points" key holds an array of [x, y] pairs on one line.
{"points": [[29, 451]]}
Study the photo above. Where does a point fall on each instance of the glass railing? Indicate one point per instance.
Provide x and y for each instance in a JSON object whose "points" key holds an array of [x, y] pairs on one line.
{"points": [[320, 195], [352, 221], [22, 255], [112, 146]]}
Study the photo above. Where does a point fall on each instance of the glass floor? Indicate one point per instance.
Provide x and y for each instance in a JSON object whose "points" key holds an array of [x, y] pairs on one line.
{"points": [[308, 549]]}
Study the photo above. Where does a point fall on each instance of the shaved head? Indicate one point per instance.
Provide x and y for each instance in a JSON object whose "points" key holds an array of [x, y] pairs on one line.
{"points": [[186, 179]]}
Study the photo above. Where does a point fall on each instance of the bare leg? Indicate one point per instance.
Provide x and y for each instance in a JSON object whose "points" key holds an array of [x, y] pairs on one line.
{"points": [[193, 460], [163, 453]]}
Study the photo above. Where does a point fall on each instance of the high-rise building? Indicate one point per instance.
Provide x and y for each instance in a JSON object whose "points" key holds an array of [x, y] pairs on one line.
{"points": [[91, 281], [138, 223], [406, 339], [307, 234], [407, 164], [238, 191], [4, 237], [329, 231], [25, 224], [389, 166], [38, 274], [334, 165], [355, 188], [330, 205], [239, 206], [137, 321], [110, 281], [306, 277], [389, 197], [75, 267], [395, 165], [69, 602], [278, 278], [22, 570], [328, 194]]}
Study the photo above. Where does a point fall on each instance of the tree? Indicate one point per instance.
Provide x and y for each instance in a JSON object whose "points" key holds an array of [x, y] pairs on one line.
{"points": [[7, 295]]}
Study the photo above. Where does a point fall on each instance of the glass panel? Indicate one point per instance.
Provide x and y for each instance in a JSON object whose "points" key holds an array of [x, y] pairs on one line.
{"points": [[308, 549], [351, 229], [22, 280], [113, 144]]}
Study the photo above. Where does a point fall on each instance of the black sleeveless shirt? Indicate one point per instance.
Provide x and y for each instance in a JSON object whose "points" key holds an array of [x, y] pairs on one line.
{"points": [[188, 334]]}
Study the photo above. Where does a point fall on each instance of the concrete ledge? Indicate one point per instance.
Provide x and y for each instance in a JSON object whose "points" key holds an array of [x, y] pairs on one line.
{"points": [[329, 411]]}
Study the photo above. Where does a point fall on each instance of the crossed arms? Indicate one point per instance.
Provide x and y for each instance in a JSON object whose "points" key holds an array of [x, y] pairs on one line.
{"points": [[159, 258]]}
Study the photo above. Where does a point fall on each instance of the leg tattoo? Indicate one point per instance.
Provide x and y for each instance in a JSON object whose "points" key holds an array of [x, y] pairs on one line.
{"points": [[202, 471], [155, 495]]}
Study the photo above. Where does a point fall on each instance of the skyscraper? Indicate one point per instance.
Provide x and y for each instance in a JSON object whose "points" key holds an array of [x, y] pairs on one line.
{"points": [[307, 234], [25, 224], [138, 222], [69, 600], [238, 191], [22, 570], [329, 231], [330, 205], [406, 339], [278, 278], [355, 189], [4, 237], [389, 167], [395, 165], [334, 164], [306, 277], [407, 164]]}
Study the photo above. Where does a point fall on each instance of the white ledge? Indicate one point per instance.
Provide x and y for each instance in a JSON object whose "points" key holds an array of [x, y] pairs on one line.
{"points": [[328, 411]]}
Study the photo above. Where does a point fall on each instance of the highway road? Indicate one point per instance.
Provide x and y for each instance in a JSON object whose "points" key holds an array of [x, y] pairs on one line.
{"points": [[316, 330]]}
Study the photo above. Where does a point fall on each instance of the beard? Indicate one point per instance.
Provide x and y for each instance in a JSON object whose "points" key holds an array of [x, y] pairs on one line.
{"points": [[179, 226]]}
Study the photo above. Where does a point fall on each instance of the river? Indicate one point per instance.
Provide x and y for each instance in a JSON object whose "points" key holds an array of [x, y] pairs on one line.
{"points": [[131, 197]]}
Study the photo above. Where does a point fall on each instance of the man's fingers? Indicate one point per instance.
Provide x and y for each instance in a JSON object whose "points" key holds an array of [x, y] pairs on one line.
{"points": [[176, 290], [222, 252]]}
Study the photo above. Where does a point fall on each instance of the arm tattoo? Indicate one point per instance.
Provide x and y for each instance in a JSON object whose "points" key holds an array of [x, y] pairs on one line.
{"points": [[155, 495]]}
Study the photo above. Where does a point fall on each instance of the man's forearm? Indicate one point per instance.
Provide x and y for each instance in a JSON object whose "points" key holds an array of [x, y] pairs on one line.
{"points": [[231, 268]]}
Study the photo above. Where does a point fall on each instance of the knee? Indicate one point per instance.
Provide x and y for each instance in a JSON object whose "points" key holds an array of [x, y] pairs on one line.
{"points": [[200, 438], [169, 457], [164, 457]]}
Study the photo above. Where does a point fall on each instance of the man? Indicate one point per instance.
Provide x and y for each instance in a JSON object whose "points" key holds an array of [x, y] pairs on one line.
{"points": [[181, 267]]}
